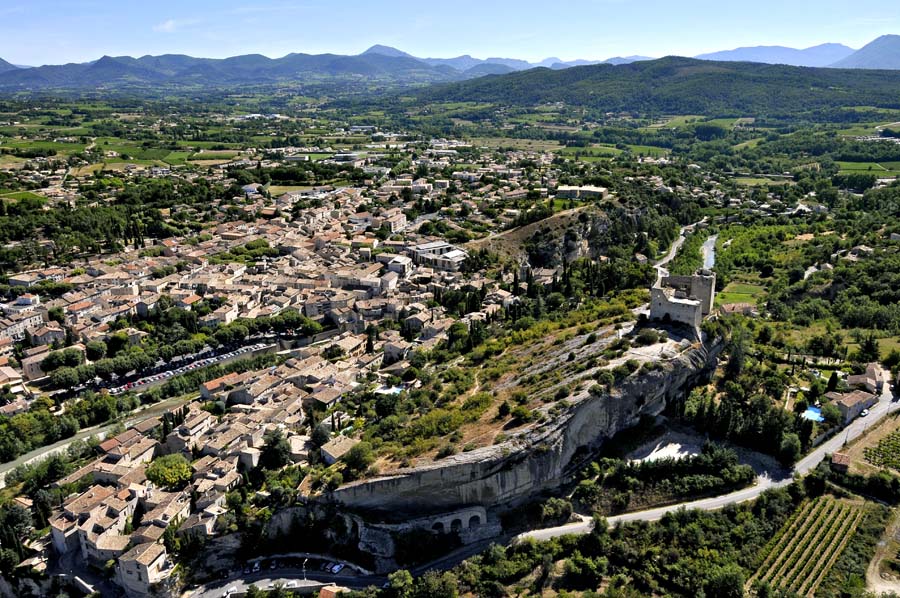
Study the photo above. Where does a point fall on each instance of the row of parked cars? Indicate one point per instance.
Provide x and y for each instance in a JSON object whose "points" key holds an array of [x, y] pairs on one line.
{"points": [[186, 368], [293, 563]]}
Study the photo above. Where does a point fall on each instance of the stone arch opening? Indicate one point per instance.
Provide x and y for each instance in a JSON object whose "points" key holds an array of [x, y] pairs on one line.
{"points": [[456, 525], [438, 527], [474, 521]]}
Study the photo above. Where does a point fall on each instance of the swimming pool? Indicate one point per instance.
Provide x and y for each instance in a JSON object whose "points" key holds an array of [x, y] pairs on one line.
{"points": [[813, 414]]}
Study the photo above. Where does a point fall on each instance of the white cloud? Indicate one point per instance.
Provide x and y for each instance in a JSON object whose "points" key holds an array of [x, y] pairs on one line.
{"points": [[167, 26], [173, 25]]}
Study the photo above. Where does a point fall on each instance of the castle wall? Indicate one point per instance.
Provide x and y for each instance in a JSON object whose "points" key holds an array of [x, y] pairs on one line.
{"points": [[682, 311], [700, 286]]}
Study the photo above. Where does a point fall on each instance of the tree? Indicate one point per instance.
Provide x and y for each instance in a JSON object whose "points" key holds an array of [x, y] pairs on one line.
{"points": [[833, 381], [96, 350], [831, 414], [320, 436], [56, 314], [371, 333], [171, 471], [8, 560], [737, 350], [436, 585], [359, 458], [65, 378], [869, 350], [277, 451], [727, 583], [790, 448], [400, 583], [16, 518]]}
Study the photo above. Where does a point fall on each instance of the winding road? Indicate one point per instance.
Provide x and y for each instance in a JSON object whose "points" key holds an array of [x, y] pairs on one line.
{"points": [[887, 404]]}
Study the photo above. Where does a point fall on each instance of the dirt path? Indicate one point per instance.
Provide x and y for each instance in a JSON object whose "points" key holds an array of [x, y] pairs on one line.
{"points": [[887, 548]]}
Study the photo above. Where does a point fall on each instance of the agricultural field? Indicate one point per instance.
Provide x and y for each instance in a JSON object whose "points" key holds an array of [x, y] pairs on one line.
{"points": [[799, 557], [177, 158], [677, 122], [748, 181], [749, 144], [877, 168], [739, 292], [649, 150], [16, 195], [518, 144], [886, 453], [277, 190]]}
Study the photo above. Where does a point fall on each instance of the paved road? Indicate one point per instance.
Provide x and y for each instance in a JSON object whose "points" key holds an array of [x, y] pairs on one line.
{"points": [[136, 417], [887, 404], [99, 431], [288, 577], [673, 250]]}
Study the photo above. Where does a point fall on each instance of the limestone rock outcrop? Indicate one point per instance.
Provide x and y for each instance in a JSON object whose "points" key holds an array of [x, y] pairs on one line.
{"points": [[540, 459]]}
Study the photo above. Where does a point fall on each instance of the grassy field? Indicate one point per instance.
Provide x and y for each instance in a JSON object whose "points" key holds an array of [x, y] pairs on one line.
{"points": [[649, 150], [749, 144], [799, 337], [758, 181], [11, 161], [58, 147], [519, 144], [737, 292], [876, 168], [277, 190], [677, 122], [802, 553], [177, 158], [16, 195]]}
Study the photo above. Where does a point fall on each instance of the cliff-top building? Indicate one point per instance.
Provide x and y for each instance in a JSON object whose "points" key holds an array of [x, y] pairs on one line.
{"points": [[683, 299]]}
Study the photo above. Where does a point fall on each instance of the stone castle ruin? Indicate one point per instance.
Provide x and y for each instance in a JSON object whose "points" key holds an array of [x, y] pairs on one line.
{"points": [[683, 299]]}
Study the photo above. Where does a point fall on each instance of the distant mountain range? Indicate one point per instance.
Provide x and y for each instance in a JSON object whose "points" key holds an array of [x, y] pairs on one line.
{"points": [[384, 64], [883, 53], [818, 56], [378, 63], [467, 63], [5, 66]]}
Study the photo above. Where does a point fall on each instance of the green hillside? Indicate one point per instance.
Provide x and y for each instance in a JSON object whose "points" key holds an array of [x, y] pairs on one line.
{"points": [[675, 85]]}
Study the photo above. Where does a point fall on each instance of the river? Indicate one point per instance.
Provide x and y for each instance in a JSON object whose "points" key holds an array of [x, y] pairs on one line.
{"points": [[709, 252]]}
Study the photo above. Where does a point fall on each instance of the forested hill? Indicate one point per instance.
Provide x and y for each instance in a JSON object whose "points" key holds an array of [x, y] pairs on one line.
{"points": [[675, 85]]}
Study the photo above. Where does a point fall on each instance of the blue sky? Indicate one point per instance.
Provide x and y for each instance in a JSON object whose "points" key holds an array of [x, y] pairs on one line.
{"points": [[59, 31]]}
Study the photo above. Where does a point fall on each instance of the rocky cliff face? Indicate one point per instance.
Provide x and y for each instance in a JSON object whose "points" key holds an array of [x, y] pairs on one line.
{"points": [[539, 459]]}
